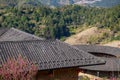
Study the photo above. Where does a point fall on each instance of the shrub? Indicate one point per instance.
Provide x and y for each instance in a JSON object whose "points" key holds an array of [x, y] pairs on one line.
{"points": [[18, 69], [84, 78]]}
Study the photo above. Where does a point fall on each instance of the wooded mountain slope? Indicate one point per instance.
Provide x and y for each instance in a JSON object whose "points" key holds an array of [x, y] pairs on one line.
{"points": [[61, 22]]}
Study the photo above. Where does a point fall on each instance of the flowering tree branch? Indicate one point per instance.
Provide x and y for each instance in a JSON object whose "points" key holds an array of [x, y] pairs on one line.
{"points": [[18, 69]]}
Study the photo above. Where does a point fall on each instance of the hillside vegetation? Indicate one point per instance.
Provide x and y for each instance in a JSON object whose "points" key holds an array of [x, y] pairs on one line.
{"points": [[62, 22], [92, 35]]}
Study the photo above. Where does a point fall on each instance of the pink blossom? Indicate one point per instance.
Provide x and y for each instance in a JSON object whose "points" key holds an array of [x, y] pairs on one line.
{"points": [[18, 69]]}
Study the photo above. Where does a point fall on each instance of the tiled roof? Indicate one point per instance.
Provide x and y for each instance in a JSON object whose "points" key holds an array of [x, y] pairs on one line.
{"points": [[48, 54], [13, 34], [112, 63], [100, 49]]}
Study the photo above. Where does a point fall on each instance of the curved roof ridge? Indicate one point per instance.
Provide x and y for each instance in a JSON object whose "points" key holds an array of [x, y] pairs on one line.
{"points": [[112, 64], [94, 45], [100, 49]]}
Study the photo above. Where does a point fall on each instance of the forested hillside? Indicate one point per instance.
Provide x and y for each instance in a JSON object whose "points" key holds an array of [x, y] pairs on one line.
{"points": [[60, 22], [20, 3]]}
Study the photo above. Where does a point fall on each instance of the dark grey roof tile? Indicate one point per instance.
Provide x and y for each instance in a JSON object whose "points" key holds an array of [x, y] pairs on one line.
{"points": [[100, 49], [49, 54], [13, 34], [112, 63]]}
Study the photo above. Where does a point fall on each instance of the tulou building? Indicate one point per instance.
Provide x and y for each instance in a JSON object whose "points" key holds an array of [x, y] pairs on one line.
{"points": [[55, 59], [110, 54]]}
